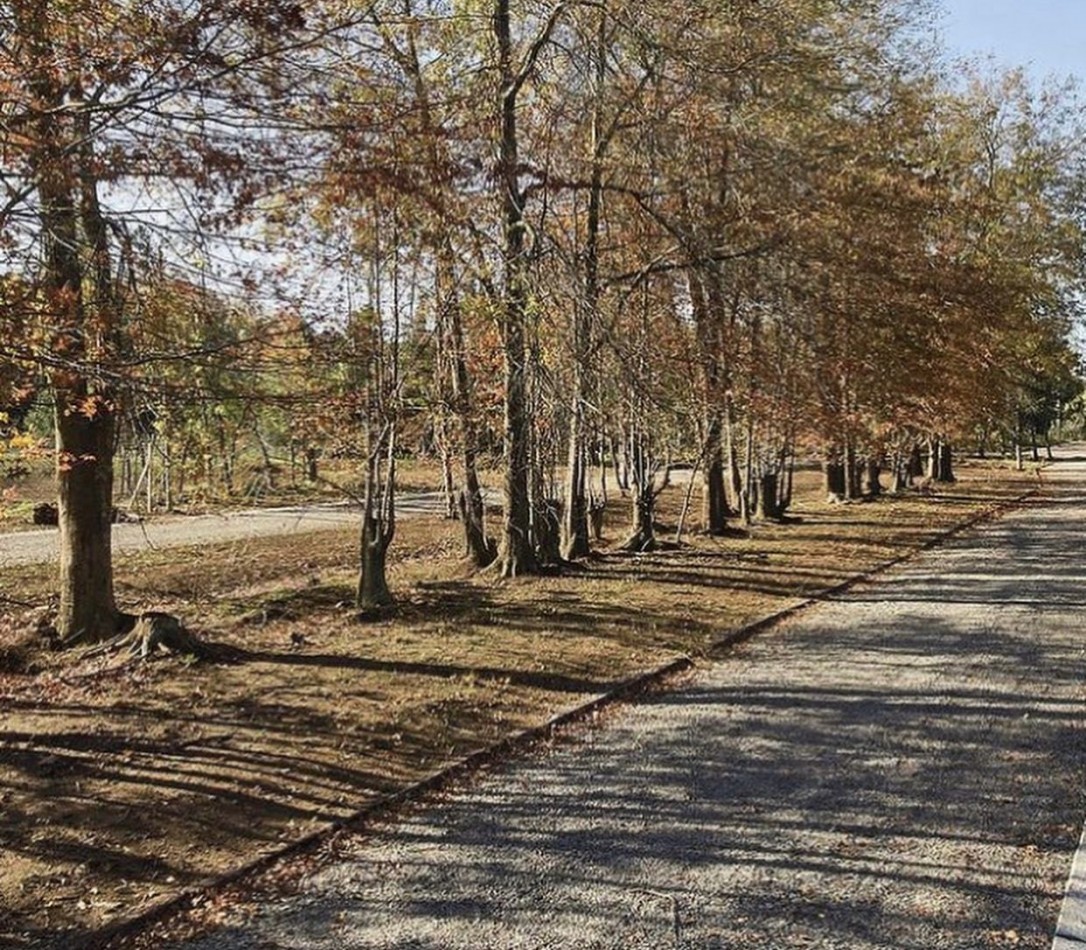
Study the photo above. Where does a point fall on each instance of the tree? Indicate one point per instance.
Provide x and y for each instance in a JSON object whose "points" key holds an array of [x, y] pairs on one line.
{"points": [[516, 550], [105, 101]]}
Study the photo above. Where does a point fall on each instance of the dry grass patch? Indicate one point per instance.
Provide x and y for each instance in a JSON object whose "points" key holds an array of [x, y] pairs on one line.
{"points": [[120, 784]]}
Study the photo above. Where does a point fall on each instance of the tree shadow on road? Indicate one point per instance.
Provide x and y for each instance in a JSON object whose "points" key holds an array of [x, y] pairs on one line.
{"points": [[924, 794]]}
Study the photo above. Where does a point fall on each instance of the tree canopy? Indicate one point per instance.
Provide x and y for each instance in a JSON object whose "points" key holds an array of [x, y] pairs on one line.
{"points": [[578, 236]]}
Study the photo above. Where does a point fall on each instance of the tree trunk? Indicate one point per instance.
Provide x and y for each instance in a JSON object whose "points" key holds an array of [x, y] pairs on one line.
{"points": [[768, 506], [516, 554], [620, 467], [852, 471], [378, 527], [835, 480], [735, 478], [182, 469], [944, 462], [448, 482], [547, 531], [747, 498], [85, 409], [872, 485], [574, 528], [226, 460], [373, 592], [643, 534], [598, 503], [167, 475], [710, 346], [88, 611], [789, 481], [900, 477], [479, 548], [715, 507], [445, 392], [688, 495], [915, 467], [575, 516]]}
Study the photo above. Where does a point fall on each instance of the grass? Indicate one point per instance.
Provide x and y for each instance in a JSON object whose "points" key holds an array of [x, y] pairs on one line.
{"points": [[121, 784]]}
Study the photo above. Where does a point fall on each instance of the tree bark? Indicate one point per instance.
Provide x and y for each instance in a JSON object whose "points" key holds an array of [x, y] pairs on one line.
{"points": [[789, 480], [619, 464], [768, 504], [852, 471], [448, 481], [748, 499], [835, 479], [479, 547], [516, 553], [85, 409], [575, 515], [643, 534], [574, 529], [734, 475], [900, 477], [710, 347], [378, 528], [915, 466], [715, 504], [88, 611], [373, 591], [944, 462], [872, 486]]}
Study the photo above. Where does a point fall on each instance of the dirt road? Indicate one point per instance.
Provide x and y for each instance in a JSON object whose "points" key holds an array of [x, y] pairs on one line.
{"points": [[34, 547], [900, 768]]}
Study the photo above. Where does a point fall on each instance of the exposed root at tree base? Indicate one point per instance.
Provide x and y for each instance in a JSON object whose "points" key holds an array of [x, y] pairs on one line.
{"points": [[638, 543], [366, 613], [151, 633]]}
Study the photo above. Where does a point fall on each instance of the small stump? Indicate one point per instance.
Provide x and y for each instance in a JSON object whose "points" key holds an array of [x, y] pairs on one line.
{"points": [[151, 633], [156, 632]]}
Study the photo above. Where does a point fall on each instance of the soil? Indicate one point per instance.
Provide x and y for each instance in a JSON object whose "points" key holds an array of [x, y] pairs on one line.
{"points": [[122, 782]]}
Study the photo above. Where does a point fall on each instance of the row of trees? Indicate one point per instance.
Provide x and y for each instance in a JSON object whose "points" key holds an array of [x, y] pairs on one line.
{"points": [[602, 235]]}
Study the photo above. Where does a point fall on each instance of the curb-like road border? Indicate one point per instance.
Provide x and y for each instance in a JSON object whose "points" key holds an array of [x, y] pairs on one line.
{"points": [[519, 743], [1071, 926]]}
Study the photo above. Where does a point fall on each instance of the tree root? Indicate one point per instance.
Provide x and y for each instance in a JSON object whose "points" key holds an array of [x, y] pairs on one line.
{"points": [[639, 543], [150, 633]]}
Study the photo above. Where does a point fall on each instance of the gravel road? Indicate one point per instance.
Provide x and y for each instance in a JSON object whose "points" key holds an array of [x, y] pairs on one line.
{"points": [[898, 768], [40, 546]]}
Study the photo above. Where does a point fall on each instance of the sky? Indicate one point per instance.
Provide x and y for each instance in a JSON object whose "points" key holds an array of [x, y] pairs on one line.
{"points": [[1048, 37]]}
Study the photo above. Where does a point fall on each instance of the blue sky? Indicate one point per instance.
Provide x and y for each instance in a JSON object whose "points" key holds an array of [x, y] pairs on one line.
{"points": [[1046, 36]]}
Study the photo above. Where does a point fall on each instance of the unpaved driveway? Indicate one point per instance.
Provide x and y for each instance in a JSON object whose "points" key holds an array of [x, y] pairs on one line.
{"points": [[34, 547], [900, 768]]}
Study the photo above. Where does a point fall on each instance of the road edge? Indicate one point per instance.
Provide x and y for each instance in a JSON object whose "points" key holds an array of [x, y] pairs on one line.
{"points": [[1071, 924]]}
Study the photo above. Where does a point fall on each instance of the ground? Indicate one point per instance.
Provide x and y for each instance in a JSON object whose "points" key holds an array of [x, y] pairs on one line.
{"points": [[122, 783]]}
